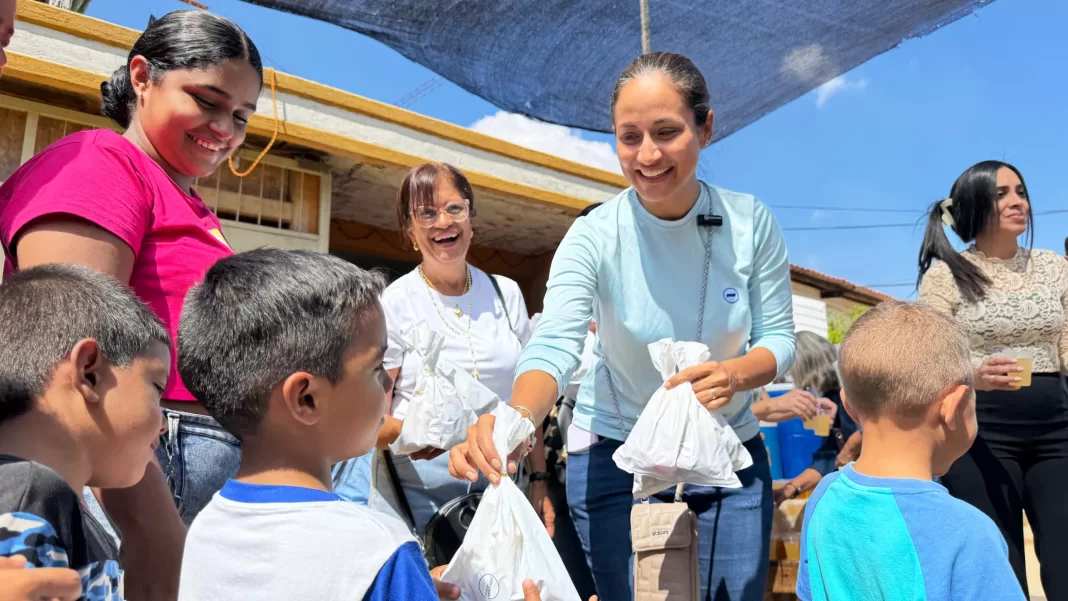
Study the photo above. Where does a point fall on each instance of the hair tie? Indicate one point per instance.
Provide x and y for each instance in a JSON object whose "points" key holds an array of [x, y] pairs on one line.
{"points": [[947, 216]]}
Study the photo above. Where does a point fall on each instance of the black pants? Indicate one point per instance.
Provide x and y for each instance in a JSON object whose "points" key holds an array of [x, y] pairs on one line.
{"points": [[1019, 463]]}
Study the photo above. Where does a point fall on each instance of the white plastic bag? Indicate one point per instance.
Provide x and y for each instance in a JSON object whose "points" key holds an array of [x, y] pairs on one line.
{"points": [[676, 440], [507, 542], [447, 400]]}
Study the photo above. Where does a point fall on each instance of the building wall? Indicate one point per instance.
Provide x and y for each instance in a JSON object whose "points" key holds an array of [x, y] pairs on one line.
{"points": [[386, 139]]}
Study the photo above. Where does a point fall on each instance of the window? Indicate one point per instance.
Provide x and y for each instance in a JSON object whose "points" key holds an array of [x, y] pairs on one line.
{"points": [[278, 194]]}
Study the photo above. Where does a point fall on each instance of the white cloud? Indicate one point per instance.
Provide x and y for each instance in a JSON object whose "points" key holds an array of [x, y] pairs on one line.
{"points": [[548, 138], [817, 215], [809, 64], [837, 85]]}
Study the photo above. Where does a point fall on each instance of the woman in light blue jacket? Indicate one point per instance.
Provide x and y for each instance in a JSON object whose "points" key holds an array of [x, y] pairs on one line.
{"points": [[670, 257]]}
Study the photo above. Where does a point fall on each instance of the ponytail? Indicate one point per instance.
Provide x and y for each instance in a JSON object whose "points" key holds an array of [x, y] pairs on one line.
{"points": [[970, 280], [118, 97]]}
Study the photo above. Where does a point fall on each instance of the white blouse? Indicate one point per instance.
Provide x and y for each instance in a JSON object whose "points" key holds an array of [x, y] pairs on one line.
{"points": [[495, 343]]}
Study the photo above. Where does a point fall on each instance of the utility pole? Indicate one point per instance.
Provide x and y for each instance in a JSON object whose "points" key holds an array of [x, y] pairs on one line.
{"points": [[647, 38]]}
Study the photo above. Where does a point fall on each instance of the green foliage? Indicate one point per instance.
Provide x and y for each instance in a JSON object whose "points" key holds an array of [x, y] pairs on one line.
{"points": [[838, 323]]}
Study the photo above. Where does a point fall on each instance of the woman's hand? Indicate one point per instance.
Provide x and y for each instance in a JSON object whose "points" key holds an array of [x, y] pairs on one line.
{"points": [[806, 480], [543, 505], [997, 374], [479, 454], [795, 403], [713, 383], [850, 450]]}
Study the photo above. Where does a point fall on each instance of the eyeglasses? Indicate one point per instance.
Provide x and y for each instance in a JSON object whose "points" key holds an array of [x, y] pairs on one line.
{"points": [[428, 216]]}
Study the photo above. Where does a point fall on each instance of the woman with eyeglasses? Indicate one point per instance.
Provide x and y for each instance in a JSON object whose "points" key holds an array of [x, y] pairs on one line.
{"points": [[482, 317]]}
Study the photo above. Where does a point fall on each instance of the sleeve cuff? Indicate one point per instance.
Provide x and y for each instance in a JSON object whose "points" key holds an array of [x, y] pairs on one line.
{"points": [[783, 352], [544, 365]]}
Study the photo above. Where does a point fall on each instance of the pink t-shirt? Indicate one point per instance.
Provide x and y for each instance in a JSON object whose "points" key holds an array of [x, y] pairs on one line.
{"points": [[103, 178]]}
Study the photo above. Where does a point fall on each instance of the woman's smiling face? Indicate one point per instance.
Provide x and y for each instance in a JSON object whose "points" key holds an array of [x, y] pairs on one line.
{"points": [[657, 138]]}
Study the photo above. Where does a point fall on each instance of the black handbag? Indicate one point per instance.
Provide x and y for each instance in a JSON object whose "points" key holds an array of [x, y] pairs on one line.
{"points": [[446, 529]]}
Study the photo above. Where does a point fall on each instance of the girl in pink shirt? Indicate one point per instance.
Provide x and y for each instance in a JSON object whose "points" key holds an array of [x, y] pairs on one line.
{"points": [[125, 205]]}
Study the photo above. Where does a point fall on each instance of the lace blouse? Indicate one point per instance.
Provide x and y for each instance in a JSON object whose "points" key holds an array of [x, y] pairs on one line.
{"points": [[1025, 307]]}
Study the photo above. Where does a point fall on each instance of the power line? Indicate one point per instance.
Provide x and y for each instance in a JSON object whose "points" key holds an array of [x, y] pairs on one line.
{"points": [[868, 226], [847, 209], [879, 226], [420, 92]]}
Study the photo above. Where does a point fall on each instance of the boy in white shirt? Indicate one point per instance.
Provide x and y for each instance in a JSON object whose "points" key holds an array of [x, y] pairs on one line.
{"points": [[285, 350]]}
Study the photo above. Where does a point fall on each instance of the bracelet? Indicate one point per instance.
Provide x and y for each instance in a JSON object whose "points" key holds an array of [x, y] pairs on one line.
{"points": [[529, 416], [540, 476]]}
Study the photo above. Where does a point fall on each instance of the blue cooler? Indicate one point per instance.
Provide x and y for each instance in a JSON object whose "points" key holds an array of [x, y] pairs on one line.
{"points": [[796, 444], [771, 441]]}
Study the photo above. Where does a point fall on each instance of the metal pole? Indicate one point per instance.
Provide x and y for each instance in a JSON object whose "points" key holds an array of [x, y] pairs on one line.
{"points": [[647, 38]]}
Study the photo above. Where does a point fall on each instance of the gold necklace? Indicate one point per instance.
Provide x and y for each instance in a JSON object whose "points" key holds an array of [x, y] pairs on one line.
{"points": [[467, 288], [430, 290]]}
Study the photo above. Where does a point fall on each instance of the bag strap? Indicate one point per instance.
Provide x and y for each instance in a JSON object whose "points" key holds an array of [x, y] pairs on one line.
{"points": [[504, 305], [700, 323], [700, 310], [398, 490]]}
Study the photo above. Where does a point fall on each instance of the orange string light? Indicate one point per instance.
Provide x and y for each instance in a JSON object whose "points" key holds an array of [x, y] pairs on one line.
{"points": [[274, 136]]}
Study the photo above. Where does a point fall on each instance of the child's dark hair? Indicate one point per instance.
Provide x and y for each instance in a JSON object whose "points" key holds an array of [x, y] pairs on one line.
{"points": [[46, 310], [417, 191], [970, 208], [262, 315], [183, 39], [687, 78]]}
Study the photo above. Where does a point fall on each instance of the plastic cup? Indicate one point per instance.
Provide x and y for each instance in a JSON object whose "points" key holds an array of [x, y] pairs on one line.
{"points": [[792, 543], [1025, 358], [820, 424]]}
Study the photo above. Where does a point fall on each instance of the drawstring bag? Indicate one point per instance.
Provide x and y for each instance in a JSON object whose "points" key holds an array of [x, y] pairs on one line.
{"points": [[507, 542], [447, 399], [676, 440]]}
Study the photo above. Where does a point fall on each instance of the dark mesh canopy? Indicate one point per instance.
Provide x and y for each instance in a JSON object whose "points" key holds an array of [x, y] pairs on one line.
{"points": [[557, 60]]}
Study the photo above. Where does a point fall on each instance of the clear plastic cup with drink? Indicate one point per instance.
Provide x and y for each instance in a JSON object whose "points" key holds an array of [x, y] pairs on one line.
{"points": [[1025, 358], [792, 543], [820, 424]]}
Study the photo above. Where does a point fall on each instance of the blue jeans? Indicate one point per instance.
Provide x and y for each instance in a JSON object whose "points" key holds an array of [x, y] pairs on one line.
{"points": [[734, 524], [197, 457], [352, 479]]}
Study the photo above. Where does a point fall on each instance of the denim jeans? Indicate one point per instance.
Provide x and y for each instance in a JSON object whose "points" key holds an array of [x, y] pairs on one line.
{"points": [[734, 524], [352, 479], [197, 457]]}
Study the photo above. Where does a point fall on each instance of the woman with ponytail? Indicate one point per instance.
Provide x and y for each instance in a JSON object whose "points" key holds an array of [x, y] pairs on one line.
{"points": [[1012, 301], [125, 205]]}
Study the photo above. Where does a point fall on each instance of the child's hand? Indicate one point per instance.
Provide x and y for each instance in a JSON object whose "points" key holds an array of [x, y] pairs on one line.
{"points": [[19, 584], [531, 593], [446, 591]]}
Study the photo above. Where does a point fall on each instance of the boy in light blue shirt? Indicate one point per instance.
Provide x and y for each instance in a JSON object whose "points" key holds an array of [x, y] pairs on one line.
{"points": [[881, 528]]}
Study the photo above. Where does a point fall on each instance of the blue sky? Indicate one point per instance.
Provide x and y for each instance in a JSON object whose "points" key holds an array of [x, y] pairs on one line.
{"points": [[892, 134]]}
